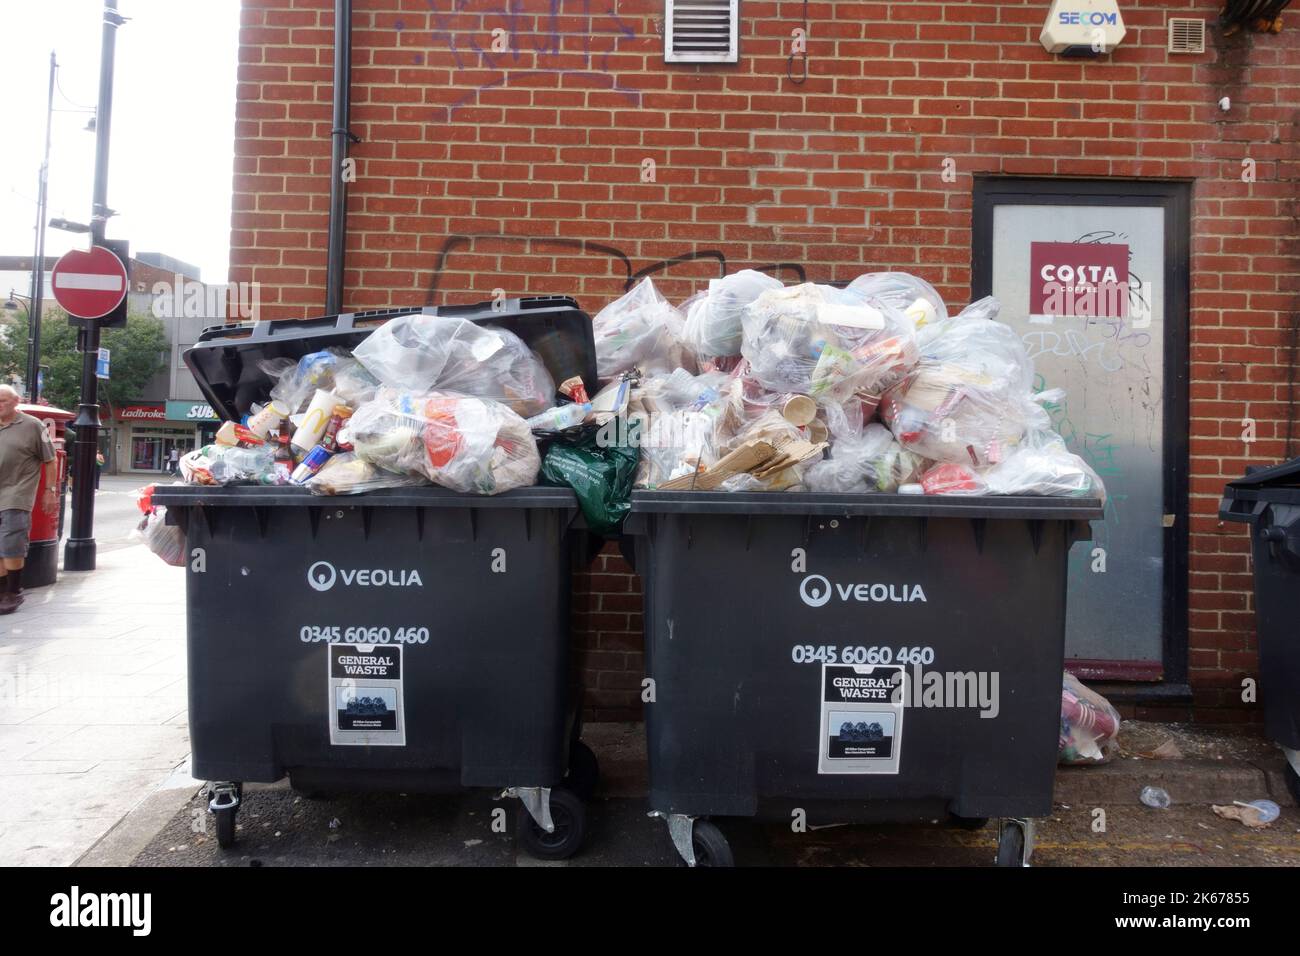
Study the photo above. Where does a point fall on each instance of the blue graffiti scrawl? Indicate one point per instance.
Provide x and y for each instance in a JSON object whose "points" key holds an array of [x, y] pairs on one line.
{"points": [[543, 41]]}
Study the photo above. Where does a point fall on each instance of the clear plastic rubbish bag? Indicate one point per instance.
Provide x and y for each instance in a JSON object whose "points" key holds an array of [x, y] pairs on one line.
{"points": [[461, 442], [871, 461], [166, 541], [910, 295], [1089, 725], [968, 400], [825, 343], [1043, 465], [638, 330], [347, 474], [422, 353], [714, 319], [294, 382], [678, 424]]}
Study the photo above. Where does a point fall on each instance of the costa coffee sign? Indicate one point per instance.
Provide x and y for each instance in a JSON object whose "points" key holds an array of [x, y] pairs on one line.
{"points": [[142, 413], [1076, 278]]}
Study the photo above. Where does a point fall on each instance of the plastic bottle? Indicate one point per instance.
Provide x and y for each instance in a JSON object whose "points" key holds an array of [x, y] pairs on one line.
{"points": [[559, 418], [1155, 797]]}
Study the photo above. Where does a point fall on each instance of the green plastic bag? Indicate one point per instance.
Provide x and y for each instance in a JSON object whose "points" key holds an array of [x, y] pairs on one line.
{"points": [[601, 477]]}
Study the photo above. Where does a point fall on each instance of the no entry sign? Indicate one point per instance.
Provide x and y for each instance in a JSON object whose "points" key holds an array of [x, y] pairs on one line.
{"points": [[89, 285]]}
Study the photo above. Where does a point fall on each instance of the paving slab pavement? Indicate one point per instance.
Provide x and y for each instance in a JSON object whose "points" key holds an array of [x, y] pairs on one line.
{"points": [[92, 698]]}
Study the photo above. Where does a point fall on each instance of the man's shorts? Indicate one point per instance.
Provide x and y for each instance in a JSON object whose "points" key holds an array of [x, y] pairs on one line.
{"points": [[15, 525]]}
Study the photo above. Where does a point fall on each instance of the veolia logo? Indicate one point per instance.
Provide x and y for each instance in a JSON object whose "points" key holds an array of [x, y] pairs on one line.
{"points": [[815, 590], [322, 576]]}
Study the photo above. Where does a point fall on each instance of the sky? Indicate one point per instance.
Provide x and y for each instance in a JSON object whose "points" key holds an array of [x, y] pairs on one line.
{"points": [[171, 161]]}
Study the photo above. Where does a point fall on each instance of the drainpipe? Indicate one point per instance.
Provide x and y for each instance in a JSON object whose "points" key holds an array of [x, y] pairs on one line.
{"points": [[339, 139]]}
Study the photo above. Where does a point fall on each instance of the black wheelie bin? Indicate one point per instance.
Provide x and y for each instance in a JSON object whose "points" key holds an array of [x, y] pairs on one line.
{"points": [[407, 639], [836, 658], [1268, 499]]}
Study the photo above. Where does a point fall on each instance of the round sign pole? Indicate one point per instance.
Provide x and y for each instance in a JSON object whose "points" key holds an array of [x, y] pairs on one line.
{"points": [[79, 552]]}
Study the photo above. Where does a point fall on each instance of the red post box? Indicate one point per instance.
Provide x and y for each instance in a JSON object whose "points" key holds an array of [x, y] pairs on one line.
{"points": [[42, 565]]}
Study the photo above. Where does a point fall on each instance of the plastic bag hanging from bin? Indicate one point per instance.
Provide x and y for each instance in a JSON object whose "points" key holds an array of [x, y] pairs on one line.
{"points": [[600, 473], [423, 353]]}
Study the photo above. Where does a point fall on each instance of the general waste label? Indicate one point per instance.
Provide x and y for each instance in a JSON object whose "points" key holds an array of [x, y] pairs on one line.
{"points": [[861, 718], [365, 695]]}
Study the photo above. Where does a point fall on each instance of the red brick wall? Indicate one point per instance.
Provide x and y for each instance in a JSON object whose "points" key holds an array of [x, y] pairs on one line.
{"points": [[535, 154]]}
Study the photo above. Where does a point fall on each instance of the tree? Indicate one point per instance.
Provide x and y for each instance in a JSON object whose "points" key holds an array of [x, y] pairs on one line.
{"points": [[139, 352]]}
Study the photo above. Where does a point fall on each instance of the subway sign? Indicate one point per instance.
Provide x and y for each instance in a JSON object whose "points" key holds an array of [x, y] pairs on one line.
{"points": [[179, 411]]}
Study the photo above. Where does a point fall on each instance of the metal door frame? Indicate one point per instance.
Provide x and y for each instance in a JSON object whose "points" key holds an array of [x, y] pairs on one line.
{"points": [[1175, 198]]}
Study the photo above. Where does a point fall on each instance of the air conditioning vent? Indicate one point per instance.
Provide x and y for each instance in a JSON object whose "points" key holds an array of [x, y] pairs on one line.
{"points": [[702, 31], [1186, 35]]}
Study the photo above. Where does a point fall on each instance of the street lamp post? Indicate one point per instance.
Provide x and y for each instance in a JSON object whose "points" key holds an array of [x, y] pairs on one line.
{"points": [[33, 388], [38, 259], [79, 552]]}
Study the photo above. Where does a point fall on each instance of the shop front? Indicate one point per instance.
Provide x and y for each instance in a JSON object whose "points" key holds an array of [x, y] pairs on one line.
{"points": [[143, 439], [198, 415]]}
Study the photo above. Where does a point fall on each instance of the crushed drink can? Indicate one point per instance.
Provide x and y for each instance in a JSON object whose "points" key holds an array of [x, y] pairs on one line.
{"points": [[312, 463]]}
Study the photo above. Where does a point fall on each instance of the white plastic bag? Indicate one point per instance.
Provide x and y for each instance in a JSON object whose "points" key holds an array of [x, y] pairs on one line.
{"points": [[461, 442], [166, 541], [968, 400], [910, 295], [638, 330], [422, 353], [1043, 465], [714, 326]]}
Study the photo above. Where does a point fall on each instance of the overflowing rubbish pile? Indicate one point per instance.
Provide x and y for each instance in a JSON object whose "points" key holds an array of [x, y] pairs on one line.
{"points": [[750, 385]]}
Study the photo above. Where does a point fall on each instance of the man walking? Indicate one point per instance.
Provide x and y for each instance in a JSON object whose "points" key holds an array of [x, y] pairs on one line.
{"points": [[25, 449]]}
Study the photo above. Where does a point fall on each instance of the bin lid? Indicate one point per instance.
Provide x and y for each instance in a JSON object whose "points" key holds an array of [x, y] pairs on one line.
{"points": [[422, 496], [226, 360], [1285, 475], [760, 503], [1272, 484]]}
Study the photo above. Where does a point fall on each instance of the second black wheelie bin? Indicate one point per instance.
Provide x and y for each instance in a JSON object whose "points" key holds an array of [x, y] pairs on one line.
{"points": [[837, 658], [1268, 500], [407, 639]]}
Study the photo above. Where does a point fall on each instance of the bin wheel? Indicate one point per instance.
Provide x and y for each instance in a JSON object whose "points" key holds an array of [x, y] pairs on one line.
{"points": [[584, 770], [968, 823], [710, 846], [570, 819], [1011, 846], [1293, 782], [225, 828]]}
